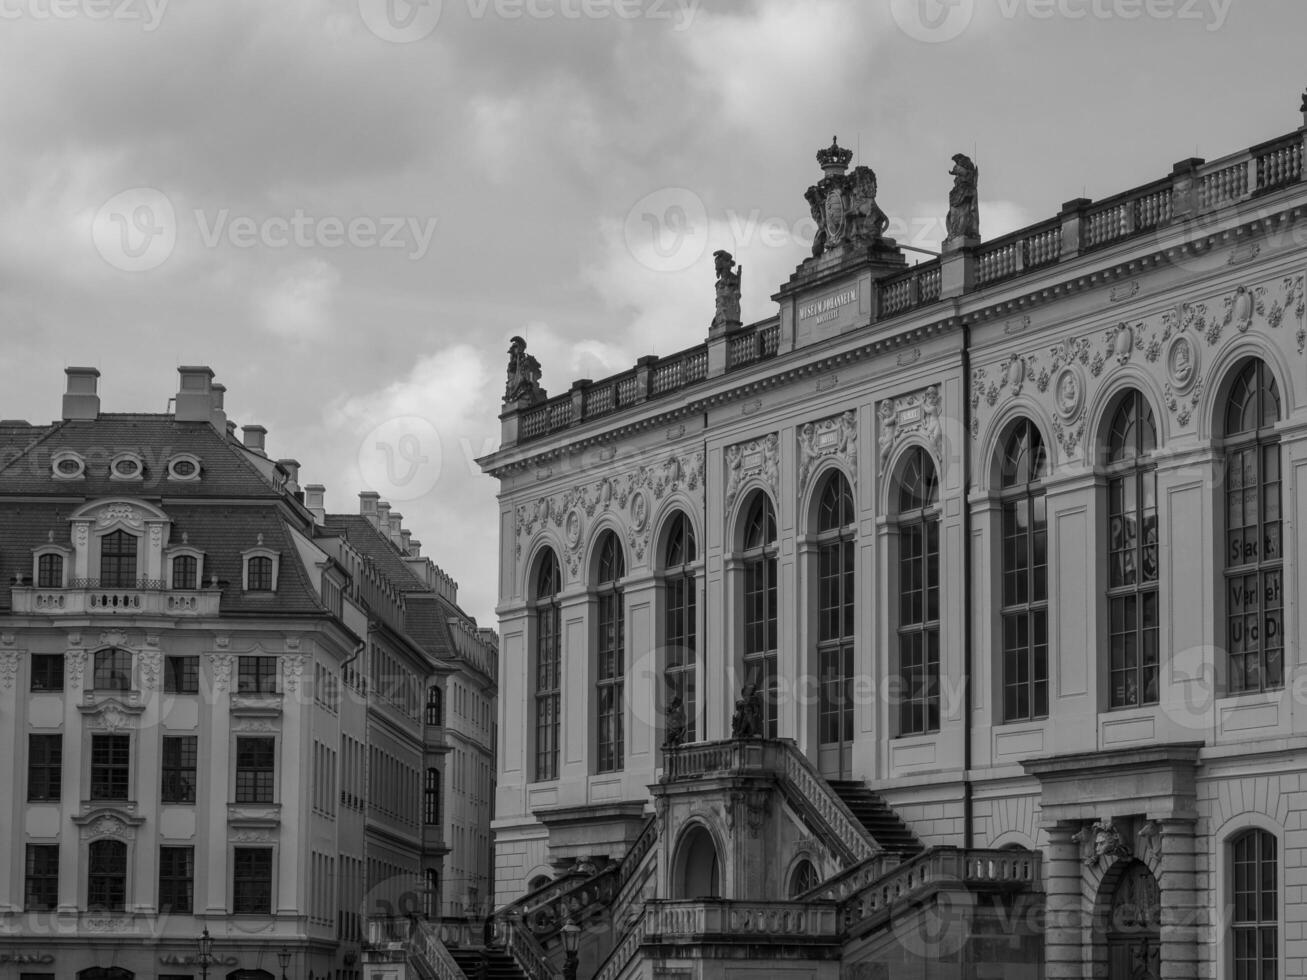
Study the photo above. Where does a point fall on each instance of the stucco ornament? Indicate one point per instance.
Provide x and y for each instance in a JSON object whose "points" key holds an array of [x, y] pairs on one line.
{"points": [[917, 412], [760, 457], [1183, 362], [221, 671], [119, 513], [639, 511], [8, 668], [1069, 394], [1015, 375], [572, 529], [835, 436]]}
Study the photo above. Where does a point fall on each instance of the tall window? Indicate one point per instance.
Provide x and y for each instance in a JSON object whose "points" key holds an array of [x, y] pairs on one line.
{"points": [[681, 594], [181, 675], [256, 675], [548, 679], [113, 670], [118, 560], [45, 765], [1253, 557], [106, 878], [260, 574], [1256, 906], [50, 572], [760, 605], [47, 672], [918, 627], [835, 603], [180, 754], [435, 710], [184, 568], [1132, 553], [176, 879], [111, 763], [612, 653], [256, 762], [251, 892], [1025, 575], [431, 798], [41, 882]]}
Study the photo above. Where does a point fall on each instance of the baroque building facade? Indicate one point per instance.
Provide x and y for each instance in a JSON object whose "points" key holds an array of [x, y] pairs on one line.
{"points": [[216, 697], [944, 621]]}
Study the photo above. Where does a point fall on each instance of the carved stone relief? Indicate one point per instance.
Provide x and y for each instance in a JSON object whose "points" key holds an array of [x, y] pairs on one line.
{"points": [[75, 664], [761, 457], [915, 412], [150, 661], [221, 671], [8, 668], [292, 668], [835, 436]]}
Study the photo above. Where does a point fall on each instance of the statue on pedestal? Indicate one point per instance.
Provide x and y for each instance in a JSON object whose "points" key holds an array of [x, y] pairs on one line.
{"points": [[843, 204], [675, 723], [963, 222], [523, 382], [747, 720], [728, 291]]}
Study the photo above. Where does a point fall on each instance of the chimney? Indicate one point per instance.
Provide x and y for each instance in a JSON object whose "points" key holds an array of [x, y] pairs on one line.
{"points": [[405, 541], [231, 430], [315, 500], [368, 505], [81, 400], [396, 522], [219, 393], [195, 395], [414, 548], [383, 518], [292, 468], [255, 436]]}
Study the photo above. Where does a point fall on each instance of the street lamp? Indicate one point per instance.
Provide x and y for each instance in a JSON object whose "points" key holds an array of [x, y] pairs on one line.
{"points": [[204, 952], [571, 939], [283, 957]]}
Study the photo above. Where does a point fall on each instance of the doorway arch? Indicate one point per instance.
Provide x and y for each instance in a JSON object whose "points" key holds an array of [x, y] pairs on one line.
{"points": [[696, 870], [1130, 921]]}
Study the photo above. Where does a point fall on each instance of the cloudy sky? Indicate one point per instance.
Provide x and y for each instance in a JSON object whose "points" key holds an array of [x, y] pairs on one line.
{"points": [[346, 207]]}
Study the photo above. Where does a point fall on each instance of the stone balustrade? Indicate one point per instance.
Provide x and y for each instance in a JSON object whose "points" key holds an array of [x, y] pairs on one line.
{"points": [[99, 601]]}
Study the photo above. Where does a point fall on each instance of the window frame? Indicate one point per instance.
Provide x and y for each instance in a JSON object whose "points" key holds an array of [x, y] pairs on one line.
{"points": [[42, 762], [1261, 925], [171, 882], [257, 674], [255, 774], [680, 588], [52, 666], [610, 655], [547, 685], [921, 520], [108, 672], [45, 877], [760, 604], [241, 885], [188, 665], [187, 750], [835, 539], [116, 547], [112, 881], [111, 770]]}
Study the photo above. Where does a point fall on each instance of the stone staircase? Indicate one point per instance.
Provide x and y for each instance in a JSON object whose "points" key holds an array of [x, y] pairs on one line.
{"points": [[491, 963], [884, 825]]}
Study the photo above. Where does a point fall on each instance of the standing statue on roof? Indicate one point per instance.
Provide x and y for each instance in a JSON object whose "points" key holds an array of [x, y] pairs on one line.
{"points": [[728, 291], [964, 202], [843, 203], [523, 382]]}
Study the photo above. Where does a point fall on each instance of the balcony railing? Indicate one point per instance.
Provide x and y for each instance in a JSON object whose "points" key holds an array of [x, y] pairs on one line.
{"points": [[88, 597], [740, 921]]}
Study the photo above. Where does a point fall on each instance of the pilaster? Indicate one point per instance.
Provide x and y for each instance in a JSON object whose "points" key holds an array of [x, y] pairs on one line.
{"points": [[1063, 954], [1183, 910]]}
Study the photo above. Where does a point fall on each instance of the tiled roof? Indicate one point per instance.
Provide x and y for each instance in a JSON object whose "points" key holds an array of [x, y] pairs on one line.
{"points": [[366, 539]]}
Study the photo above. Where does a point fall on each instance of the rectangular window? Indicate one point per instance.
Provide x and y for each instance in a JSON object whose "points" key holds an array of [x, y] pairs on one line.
{"points": [[111, 760], [548, 692], [760, 605], [835, 604], [919, 627], [682, 596], [612, 666], [184, 569], [50, 572], [47, 672], [1254, 573], [45, 765], [113, 670], [257, 675], [106, 878], [181, 675], [180, 754], [251, 892], [176, 878], [118, 560], [1133, 622], [41, 883], [259, 574], [255, 769], [1025, 611]]}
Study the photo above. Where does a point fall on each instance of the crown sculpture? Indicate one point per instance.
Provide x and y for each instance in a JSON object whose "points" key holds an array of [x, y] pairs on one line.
{"points": [[844, 205]]}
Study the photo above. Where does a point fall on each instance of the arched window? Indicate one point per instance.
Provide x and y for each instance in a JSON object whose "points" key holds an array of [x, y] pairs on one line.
{"points": [[697, 870], [184, 568], [1253, 557], [1132, 544], [548, 672], [835, 603], [1255, 899], [118, 560], [918, 625], [680, 593], [113, 670], [431, 798], [760, 605], [1025, 575], [435, 707], [612, 654], [106, 878], [803, 879]]}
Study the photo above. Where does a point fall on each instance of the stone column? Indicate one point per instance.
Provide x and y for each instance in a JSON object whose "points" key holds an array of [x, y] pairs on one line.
{"points": [[1063, 939], [1183, 913]]}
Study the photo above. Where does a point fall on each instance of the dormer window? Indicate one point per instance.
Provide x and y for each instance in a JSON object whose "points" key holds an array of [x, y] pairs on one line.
{"points": [[50, 571], [68, 466], [126, 466], [260, 568], [185, 568], [118, 560], [184, 468]]}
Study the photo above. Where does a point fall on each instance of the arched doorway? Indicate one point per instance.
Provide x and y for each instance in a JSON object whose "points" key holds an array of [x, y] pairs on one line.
{"points": [[697, 871], [1134, 945]]}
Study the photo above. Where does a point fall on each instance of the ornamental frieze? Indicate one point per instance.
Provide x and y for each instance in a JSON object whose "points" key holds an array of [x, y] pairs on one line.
{"points": [[915, 412], [75, 666], [221, 663], [835, 436], [630, 496], [759, 457], [1172, 344], [8, 668], [150, 662]]}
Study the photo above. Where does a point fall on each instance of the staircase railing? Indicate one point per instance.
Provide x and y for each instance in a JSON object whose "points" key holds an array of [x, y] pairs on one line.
{"points": [[420, 942], [847, 883], [527, 953], [619, 958]]}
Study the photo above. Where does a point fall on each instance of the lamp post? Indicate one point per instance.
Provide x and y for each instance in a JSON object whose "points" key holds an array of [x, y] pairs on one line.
{"points": [[571, 940], [283, 957], [204, 952]]}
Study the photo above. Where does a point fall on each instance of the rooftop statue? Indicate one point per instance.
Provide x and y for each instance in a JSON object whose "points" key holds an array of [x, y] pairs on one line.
{"points": [[844, 204], [964, 201], [728, 291], [523, 382]]}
